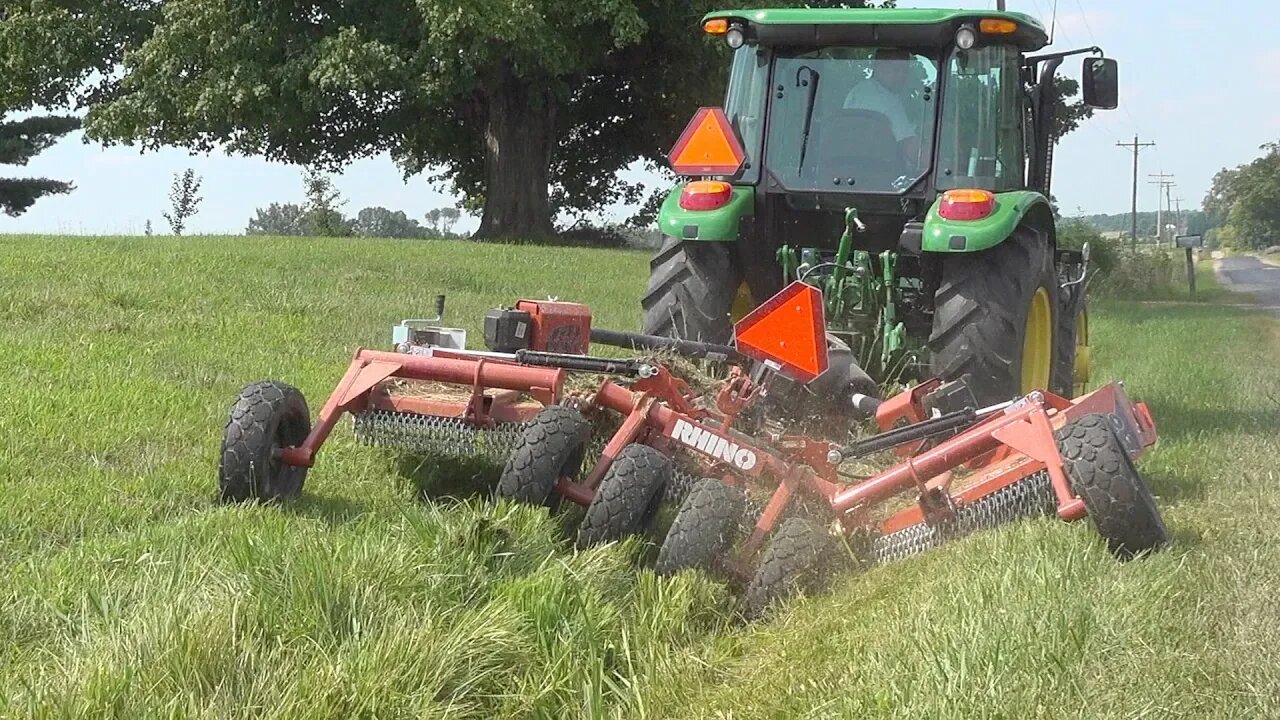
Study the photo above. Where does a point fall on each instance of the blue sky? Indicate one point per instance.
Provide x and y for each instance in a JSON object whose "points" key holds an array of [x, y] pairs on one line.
{"points": [[1200, 79]]}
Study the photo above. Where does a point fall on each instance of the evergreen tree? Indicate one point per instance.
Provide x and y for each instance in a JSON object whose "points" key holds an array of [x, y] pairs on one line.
{"points": [[21, 140]]}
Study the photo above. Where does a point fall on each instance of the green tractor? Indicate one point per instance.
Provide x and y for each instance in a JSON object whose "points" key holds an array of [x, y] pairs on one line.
{"points": [[899, 160]]}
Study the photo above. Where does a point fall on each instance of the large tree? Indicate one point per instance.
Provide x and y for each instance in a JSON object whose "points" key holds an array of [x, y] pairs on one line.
{"points": [[1252, 196], [55, 53], [527, 108]]}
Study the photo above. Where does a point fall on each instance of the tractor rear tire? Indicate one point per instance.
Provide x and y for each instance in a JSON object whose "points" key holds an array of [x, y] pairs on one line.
{"points": [[798, 560], [628, 496], [551, 447], [704, 528], [266, 417], [1072, 326], [981, 311], [692, 288], [1115, 494]]}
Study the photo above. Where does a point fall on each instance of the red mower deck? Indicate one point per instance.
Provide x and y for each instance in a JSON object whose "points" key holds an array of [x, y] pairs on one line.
{"points": [[958, 468]]}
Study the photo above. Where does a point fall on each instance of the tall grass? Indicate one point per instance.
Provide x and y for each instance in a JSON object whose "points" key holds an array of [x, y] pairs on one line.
{"points": [[128, 593]]}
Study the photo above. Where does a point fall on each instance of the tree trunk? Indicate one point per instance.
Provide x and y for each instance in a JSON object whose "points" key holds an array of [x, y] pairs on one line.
{"points": [[519, 138]]}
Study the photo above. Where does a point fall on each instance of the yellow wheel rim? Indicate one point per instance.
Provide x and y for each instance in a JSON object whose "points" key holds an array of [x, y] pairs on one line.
{"points": [[742, 303], [1037, 343], [1083, 359]]}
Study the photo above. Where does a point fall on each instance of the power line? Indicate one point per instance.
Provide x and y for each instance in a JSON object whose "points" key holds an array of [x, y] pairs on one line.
{"points": [[1084, 18], [1136, 147]]}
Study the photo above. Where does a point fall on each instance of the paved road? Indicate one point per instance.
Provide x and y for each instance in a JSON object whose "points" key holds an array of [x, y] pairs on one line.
{"points": [[1251, 275]]}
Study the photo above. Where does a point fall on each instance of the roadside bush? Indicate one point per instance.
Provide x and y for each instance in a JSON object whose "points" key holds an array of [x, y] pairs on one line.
{"points": [[1073, 234], [1144, 273]]}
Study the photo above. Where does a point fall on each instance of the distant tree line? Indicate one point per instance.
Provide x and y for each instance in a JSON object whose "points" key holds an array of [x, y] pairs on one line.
{"points": [[1195, 222], [320, 216]]}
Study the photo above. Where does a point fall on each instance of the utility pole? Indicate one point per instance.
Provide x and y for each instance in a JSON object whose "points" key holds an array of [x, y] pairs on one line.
{"points": [[1178, 216], [1165, 185], [1000, 5], [1136, 147]]}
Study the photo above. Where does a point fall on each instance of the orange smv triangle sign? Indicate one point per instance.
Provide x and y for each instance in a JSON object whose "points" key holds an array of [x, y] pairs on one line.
{"points": [[788, 330], [708, 146]]}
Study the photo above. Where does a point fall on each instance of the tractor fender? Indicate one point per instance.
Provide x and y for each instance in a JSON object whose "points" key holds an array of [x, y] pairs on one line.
{"points": [[719, 225], [1011, 210]]}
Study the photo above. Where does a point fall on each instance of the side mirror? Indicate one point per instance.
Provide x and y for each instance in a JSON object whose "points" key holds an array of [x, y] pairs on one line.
{"points": [[1084, 255], [1101, 83]]}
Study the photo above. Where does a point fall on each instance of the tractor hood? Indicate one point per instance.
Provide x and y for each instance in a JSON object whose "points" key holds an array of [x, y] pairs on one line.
{"points": [[898, 27]]}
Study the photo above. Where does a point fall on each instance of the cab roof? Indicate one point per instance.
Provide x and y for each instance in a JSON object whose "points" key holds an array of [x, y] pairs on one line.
{"points": [[932, 27]]}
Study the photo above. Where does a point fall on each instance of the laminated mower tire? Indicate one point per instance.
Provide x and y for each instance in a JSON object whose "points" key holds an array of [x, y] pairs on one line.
{"points": [[1116, 496], [704, 528], [552, 446], [692, 289], [799, 559], [983, 316], [266, 417], [628, 496]]}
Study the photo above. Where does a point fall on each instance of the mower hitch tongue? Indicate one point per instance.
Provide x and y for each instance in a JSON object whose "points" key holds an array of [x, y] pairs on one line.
{"points": [[765, 485]]}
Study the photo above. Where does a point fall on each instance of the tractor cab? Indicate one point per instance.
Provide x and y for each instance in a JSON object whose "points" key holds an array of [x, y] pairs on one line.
{"points": [[874, 153]]}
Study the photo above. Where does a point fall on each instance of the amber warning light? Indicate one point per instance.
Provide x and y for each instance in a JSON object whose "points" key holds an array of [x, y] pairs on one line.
{"points": [[708, 146], [705, 195], [966, 204], [789, 331]]}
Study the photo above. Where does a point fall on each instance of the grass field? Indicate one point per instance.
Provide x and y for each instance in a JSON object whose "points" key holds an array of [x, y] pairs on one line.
{"points": [[127, 593]]}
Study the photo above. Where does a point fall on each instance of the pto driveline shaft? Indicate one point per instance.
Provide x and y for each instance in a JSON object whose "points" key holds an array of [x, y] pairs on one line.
{"points": [[584, 363], [687, 348], [910, 433]]}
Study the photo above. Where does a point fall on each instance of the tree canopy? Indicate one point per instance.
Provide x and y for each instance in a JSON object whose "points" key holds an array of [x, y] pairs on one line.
{"points": [[65, 52], [1248, 199], [526, 109], [50, 53]]}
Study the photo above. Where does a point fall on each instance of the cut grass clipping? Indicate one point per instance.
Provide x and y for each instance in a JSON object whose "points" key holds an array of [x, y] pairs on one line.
{"points": [[128, 592]]}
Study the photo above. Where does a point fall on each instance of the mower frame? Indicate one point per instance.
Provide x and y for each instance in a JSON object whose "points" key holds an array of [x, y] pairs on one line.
{"points": [[1002, 447]]}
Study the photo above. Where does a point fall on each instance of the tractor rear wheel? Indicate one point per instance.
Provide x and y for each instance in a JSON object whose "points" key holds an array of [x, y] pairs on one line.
{"points": [[693, 287], [266, 418], [1071, 343], [994, 318], [1116, 496], [628, 496], [551, 447], [704, 528], [798, 560]]}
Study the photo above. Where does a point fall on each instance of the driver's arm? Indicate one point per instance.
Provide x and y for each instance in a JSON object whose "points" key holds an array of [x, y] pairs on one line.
{"points": [[911, 149], [908, 136]]}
